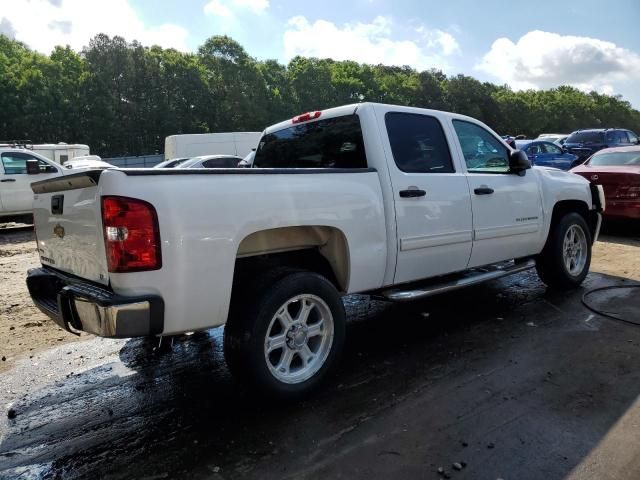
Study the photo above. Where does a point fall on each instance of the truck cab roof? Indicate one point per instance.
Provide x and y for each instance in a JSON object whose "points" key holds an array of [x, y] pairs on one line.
{"points": [[355, 107]]}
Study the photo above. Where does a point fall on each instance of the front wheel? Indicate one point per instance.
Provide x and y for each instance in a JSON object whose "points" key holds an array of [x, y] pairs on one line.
{"points": [[564, 262], [286, 340]]}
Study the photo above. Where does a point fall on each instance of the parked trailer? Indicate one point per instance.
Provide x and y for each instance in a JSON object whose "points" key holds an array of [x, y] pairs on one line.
{"points": [[193, 145], [61, 152], [57, 152]]}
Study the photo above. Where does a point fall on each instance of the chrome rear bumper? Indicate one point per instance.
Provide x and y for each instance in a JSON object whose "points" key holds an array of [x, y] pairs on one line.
{"points": [[78, 305]]}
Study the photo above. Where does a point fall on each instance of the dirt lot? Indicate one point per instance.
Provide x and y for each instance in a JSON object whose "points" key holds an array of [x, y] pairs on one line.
{"points": [[514, 380], [26, 330], [23, 328]]}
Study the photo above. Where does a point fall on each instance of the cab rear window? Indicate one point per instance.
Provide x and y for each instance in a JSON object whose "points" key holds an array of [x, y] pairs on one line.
{"points": [[330, 143]]}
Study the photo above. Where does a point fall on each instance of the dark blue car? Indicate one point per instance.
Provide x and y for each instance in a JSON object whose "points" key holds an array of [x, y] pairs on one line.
{"points": [[585, 143], [547, 154]]}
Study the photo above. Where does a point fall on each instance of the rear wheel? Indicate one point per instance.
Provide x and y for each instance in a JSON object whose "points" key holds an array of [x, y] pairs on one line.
{"points": [[564, 262], [288, 337]]}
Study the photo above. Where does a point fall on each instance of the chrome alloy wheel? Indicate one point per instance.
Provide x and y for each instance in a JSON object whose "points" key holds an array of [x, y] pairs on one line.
{"points": [[299, 339], [574, 250]]}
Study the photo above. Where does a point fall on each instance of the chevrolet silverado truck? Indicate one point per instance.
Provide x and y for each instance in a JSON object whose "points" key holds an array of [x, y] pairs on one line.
{"points": [[396, 202]]}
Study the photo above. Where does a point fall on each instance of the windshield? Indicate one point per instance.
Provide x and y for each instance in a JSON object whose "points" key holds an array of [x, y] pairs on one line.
{"points": [[332, 143], [586, 137], [616, 158]]}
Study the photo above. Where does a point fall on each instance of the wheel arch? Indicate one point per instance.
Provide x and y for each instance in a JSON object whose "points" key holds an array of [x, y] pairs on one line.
{"points": [[318, 248], [563, 207]]}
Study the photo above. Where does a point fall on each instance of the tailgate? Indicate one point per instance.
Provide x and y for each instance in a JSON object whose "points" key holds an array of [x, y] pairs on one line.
{"points": [[67, 219]]}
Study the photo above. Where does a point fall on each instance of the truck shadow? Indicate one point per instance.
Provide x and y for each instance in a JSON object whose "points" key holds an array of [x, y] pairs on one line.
{"points": [[624, 232], [165, 414]]}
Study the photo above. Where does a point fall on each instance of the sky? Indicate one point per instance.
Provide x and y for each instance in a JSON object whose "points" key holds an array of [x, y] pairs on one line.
{"points": [[592, 45]]}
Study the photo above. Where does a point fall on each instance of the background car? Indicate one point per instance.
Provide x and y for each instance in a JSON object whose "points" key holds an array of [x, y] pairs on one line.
{"points": [[174, 162], [585, 143], [212, 161], [618, 171], [547, 154], [557, 138], [509, 140], [247, 161]]}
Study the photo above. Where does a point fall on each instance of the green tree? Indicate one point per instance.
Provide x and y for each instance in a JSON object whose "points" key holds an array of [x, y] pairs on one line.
{"points": [[123, 98], [239, 94]]}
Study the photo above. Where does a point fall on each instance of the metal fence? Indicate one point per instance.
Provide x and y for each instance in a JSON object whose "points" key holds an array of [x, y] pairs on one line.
{"points": [[135, 162]]}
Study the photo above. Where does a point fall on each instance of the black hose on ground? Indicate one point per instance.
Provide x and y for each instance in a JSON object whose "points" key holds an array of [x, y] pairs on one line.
{"points": [[606, 314]]}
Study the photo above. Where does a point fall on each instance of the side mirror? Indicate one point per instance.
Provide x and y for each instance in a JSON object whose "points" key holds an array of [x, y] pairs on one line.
{"points": [[33, 167], [519, 162]]}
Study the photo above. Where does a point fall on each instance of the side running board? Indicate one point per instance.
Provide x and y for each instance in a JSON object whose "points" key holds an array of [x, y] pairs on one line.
{"points": [[471, 277]]}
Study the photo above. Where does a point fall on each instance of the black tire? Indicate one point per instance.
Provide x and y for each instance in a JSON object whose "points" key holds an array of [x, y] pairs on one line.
{"points": [[251, 315], [550, 264]]}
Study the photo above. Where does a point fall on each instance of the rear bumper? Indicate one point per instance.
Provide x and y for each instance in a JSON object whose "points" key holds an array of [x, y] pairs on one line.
{"points": [[78, 305], [623, 209]]}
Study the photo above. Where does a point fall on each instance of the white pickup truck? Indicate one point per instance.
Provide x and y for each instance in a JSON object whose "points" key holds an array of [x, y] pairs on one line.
{"points": [[19, 167], [398, 202]]}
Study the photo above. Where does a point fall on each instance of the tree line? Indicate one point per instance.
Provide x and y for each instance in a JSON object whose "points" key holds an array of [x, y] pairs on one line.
{"points": [[122, 98]]}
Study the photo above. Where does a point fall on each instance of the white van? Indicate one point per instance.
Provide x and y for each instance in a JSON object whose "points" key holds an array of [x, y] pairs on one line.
{"points": [[196, 144]]}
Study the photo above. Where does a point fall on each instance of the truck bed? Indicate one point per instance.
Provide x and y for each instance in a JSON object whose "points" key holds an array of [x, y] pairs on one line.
{"points": [[203, 216]]}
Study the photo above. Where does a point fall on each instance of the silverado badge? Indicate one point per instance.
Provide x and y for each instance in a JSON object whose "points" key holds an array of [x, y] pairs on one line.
{"points": [[58, 231]]}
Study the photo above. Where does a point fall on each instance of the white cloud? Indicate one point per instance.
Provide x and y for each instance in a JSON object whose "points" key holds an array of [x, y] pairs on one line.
{"points": [[368, 43], [43, 24], [441, 40], [216, 7], [545, 60], [446, 41], [227, 8]]}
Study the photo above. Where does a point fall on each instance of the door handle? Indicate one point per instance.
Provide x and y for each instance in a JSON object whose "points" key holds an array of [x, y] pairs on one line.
{"points": [[8, 180], [483, 191], [412, 193]]}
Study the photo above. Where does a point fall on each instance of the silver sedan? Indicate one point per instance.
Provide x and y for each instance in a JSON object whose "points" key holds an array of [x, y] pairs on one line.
{"points": [[212, 161]]}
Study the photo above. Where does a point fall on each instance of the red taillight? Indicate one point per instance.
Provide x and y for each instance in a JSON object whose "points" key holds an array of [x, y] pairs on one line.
{"points": [[306, 116], [131, 234]]}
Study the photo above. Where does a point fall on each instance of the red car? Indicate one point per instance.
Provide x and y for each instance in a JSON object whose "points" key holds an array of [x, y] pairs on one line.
{"points": [[618, 171]]}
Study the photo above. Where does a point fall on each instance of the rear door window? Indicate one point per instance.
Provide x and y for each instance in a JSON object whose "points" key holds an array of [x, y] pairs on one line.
{"points": [[533, 149], [550, 148], [331, 143], [418, 143]]}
